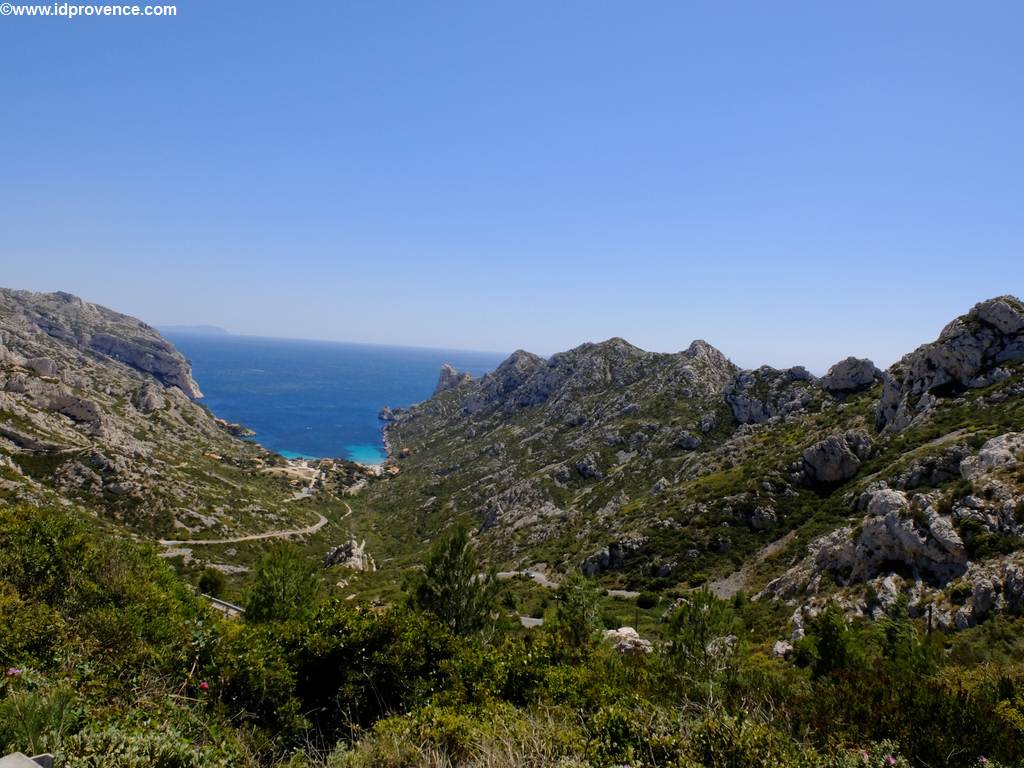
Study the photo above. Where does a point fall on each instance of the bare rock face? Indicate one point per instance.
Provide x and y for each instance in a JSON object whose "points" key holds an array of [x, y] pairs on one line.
{"points": [[850, 375], [837, 458], [352, 554], [612, 363], [513, 373], [44, 366], [896, 532], [612, 556], [967, 354], [449, 378], [757, 396], [1004, 451], [95, 329], [149, 399], [150, 355], [524, 505]]}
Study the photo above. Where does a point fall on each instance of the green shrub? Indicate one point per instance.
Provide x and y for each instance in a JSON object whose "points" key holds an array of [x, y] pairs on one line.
{"points": [[646, 600], [38, 721], [722, 741], [285, 586], [211, 582], [153, 748], [577, 619]]}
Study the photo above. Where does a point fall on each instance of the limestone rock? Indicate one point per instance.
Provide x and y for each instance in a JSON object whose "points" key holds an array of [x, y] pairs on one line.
{"points": [[965, 355], [150, 354], [850, 375], [836, 458], [1004, 451], [782, 649], [449, 378], [149, 399], [687, 441], [627, 641], [757, 396], [589, 468], [763, 518], [352, 554], [895, 532], [613, 556], [44, 366]]}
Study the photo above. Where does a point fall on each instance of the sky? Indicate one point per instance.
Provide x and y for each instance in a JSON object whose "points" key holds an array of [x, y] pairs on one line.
{"points": [[794, 182]]}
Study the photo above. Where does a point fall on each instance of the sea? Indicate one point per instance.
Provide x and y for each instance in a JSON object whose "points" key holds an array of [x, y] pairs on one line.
{"points": [[315, 399]]}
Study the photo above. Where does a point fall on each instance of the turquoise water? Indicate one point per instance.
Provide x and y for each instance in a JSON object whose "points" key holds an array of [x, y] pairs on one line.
{"points": [[314, 399]]}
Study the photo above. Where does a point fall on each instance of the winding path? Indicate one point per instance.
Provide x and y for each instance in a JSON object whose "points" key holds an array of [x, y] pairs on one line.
{"points": [[254, 536]]}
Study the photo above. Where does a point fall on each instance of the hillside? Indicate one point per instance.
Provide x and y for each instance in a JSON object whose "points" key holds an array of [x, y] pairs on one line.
{"points": [[861, 538], [663, 472], [99, 411]]}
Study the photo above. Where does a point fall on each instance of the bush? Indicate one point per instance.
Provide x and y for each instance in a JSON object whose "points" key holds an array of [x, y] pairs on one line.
{"points": [[211, 582], [646, 600], [105, 597], [353, 667], [153, 748], [36, 721], [722, 741]]}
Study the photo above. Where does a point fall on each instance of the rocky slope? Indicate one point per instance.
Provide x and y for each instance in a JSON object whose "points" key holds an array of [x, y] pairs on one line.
{"points": [[666, 471], [98, 410]]}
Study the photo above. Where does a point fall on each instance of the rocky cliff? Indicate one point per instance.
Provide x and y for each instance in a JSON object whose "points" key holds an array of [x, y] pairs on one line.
{"points": [[98, 410], [34, 321], [665, 471]]}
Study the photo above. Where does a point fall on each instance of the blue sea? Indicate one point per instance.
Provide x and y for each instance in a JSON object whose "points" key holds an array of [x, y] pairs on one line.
{"points": [[316, 399]]}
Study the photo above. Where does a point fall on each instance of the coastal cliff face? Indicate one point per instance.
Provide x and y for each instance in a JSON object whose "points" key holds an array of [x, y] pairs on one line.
{"points": [[97, 410], [45, 322], [656, 471]]}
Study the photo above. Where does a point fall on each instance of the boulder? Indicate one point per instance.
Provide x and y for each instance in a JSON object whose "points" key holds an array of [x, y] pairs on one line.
{"points": [[149, 399], [850, 375], [687, 441], [836, 458], [352, 554], [782, 649], [763, 518], [627, 640], [589, 468], [44, 366], [999, 452]]}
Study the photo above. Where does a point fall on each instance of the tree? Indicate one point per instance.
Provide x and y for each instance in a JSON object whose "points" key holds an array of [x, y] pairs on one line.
{"points": [[830, 644], [451, 588], [578, 617], [285, 586], [699, 620]]}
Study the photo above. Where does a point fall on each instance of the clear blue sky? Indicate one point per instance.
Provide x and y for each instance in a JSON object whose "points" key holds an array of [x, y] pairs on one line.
{"points": [[793, 181]]}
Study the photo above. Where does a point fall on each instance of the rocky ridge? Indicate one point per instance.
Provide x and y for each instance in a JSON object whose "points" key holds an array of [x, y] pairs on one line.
{"points": [[98, 410], [654, 470]]}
